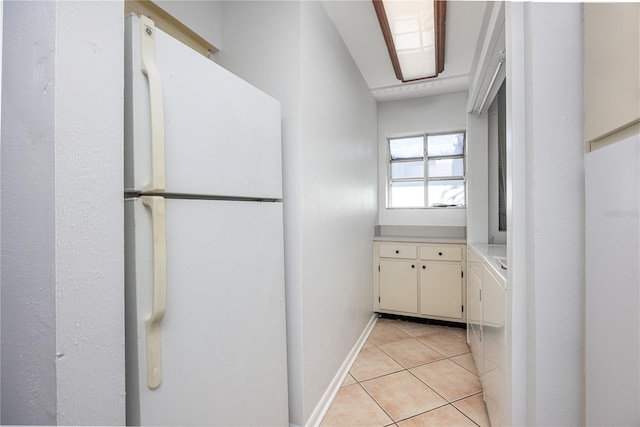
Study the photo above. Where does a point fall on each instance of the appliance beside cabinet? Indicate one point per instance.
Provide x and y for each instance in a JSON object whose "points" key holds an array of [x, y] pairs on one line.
{"points": [[205, 308]]}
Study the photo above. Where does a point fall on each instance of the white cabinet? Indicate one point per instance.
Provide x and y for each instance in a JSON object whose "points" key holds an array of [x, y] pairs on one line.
{"points": [[474, 308], [486, 331], [441, 253], [420, 280], [397, 250], [441, 289], [398, 285], [493, 346]]}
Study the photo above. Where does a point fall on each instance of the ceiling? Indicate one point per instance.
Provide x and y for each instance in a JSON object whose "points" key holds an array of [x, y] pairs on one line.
{"points": [[358, 25]]}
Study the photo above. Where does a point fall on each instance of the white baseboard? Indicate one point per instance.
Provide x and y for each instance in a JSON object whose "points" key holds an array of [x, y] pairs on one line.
{"points": [[334, 386]]}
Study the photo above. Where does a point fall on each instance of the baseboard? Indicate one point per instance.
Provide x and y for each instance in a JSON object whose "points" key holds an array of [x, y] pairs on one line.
{"points": [[334, 386]]}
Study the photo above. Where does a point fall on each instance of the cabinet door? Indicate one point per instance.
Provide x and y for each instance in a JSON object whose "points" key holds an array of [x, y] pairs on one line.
{"points": [[494, 343], [399, 285], [441, 289], [474, 313]]}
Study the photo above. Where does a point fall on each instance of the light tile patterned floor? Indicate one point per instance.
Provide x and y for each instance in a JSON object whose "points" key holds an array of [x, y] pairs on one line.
{"points": [[410, 374]]}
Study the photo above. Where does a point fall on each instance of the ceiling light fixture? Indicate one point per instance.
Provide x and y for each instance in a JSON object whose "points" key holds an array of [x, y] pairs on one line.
{"points": [[414, 33]]}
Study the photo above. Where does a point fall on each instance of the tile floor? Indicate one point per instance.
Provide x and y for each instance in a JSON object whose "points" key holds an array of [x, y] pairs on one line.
{"points": [[410, 374]]}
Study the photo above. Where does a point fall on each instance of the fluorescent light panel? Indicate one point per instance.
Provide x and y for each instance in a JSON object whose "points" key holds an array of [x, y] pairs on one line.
{"points": [[414, 33]]}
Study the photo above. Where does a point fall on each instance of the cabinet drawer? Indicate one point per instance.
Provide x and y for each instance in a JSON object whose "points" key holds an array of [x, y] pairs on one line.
{"points": [[397, 251], [441, 253]]}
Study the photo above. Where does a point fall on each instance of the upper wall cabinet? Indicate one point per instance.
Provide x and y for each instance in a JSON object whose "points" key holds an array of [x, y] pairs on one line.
{"points": [[612, 70]]}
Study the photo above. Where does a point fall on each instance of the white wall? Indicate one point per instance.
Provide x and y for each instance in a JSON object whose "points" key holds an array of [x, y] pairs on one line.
{"points": [[202, 17], [477, 177], [28, 203], [1, 21], [89, 213], [439, 113], [482, 93], [330, 163], [546, 226], [340, 200], [62, 214]]}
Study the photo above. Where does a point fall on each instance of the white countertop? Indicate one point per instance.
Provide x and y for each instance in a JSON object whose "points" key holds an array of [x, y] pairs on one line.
{"points": [[408, 239], [486, 252]]}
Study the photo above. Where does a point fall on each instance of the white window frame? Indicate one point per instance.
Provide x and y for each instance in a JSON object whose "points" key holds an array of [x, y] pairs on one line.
{"points": [[425, 178]]}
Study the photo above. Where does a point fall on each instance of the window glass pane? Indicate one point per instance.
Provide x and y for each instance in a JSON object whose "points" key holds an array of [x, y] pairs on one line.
{"points": [[445, 145], [406, 148], [446, 167], [407, 195], [402, 170], [450, 192]]}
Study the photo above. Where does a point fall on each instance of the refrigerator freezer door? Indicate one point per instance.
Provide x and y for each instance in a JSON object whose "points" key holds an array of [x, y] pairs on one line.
{"points": [[223, 333], [222, 135]]}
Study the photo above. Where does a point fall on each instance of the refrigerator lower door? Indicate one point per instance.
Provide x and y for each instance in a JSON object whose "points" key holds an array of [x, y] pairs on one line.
{"points": [[222, 338]]}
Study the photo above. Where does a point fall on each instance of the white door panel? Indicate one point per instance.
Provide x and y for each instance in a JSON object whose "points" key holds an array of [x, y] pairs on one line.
{"points": [[494, 346], [441, 289], [223, 343], [612, 296], [399, 285], [222, 135]]}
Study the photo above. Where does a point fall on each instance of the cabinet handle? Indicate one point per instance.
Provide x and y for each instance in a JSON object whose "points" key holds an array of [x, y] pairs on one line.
{"points": [[397, 252], [413, 266], [440, 253], [424, 267]]}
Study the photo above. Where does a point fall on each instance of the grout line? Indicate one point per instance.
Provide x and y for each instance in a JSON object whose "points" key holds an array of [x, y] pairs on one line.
{"points": [[439, 407], [463, 413], [466, 397], [467, 416], [411, 373], [468, 370], [447, 402], [431, 388], [398, 362], [377, 403]]}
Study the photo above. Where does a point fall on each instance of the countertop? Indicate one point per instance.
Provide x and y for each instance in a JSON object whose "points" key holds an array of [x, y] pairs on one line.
{"points": [[486, 252], [408, 239]]}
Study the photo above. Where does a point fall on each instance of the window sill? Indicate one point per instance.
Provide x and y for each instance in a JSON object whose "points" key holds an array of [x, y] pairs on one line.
{"points": [[429, 208]]}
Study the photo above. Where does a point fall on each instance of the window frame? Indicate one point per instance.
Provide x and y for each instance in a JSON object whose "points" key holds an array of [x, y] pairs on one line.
{"points": [[425, 179]]}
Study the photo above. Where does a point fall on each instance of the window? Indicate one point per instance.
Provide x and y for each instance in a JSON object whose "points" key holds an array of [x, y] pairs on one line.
{"points": [[426, 171]]}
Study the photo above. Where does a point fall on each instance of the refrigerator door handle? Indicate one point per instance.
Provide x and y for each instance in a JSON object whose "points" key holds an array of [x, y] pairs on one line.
{"points": [[148, 67], [153, 323]]}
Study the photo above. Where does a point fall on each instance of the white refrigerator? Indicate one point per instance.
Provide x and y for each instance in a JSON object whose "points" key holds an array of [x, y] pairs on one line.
{"points": [[205, 303]]}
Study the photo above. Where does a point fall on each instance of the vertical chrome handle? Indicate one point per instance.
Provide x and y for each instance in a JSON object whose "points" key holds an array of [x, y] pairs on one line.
{"points": [[148, 67], [159, 305]]}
